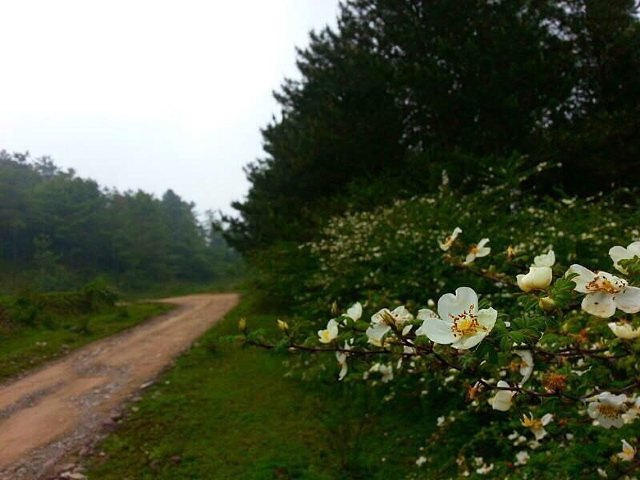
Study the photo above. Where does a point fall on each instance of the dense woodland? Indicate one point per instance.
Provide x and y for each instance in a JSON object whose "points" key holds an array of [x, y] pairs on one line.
{"points": [[59, 231], [403, 89]]}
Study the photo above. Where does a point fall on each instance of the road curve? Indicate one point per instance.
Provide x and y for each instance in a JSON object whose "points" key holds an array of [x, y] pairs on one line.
{"points": [[58, 409]]}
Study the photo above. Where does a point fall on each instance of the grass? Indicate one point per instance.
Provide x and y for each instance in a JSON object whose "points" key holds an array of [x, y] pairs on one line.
{"points": [[175, 289], [25, 347], [228, 412]]}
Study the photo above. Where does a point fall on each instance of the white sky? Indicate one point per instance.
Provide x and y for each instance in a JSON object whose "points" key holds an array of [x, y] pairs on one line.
{"points": [[150, 95]]}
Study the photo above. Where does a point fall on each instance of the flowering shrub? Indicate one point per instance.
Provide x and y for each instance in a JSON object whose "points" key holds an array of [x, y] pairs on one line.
{"points": [[534, 347]]}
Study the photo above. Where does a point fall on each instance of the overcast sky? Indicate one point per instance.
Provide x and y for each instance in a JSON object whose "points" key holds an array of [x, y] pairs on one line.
{"points": [[150, 94]]}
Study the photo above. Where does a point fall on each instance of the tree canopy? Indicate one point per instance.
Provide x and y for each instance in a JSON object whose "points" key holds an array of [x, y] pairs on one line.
{"points": [[403, 89], [64, 230]]}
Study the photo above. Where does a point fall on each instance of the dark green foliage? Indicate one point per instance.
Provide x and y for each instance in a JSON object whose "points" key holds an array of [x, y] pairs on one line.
{"points": [[401, 90], [30, 308], [57, 231]]}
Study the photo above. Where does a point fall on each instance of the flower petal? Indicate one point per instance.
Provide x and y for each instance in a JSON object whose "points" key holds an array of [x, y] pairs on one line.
{"points": [[355, 311], [379, 317], [425, 313], [538, 278], [469, 341], [526, 366], [487, 318], [618, 253], [450, 305], [376, 332], [401, 315], [545, 260], [502, 398], [629, 300], [600, 304], [624, 330], [332, 326], [482, 243], [584, 277], [634, 249], [471, 256], [437, 331]]}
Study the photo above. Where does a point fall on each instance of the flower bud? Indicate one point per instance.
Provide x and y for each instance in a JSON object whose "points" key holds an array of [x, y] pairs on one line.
{"points": [[538, 278], [282, 325], [546, 303]]}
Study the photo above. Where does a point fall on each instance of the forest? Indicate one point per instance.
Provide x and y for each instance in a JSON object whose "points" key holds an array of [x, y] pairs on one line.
{"points": [[402, 90], [60, 231]]}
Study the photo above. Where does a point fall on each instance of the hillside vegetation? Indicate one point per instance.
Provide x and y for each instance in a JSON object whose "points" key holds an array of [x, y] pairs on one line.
{"points": [[481, 148], [60, 231]]}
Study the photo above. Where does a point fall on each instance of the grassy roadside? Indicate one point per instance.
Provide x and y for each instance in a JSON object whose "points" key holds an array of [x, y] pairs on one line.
{"points": [[176, 289], [228, 412], [29, 346]]}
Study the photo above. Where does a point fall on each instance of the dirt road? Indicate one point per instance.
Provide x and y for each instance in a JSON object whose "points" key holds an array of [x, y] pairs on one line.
{"points": [[58, 409]]}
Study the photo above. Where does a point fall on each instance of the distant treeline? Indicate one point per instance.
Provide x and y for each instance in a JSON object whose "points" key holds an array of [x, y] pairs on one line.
{"points": [[403, 89], [58, 230]]}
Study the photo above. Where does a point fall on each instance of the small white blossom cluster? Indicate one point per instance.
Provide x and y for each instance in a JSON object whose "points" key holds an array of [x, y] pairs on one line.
{"points": [[458, 323], [604, 292], [547, 340]]}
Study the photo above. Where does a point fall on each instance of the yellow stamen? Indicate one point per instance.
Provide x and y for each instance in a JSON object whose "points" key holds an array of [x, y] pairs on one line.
{"points": [[465, 323], [609, 411], [532, 423], [602, 284]]}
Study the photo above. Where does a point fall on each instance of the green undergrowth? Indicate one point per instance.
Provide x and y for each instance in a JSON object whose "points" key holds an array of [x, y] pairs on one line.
{"points": [[226, 411], [28, 345], [176, 289]]}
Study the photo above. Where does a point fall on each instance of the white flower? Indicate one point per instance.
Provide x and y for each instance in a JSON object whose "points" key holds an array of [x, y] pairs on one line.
{"points": [[341, 357], [538, 278], [526, 365], [421, 460], [398, 317], [355, 311], [627, 453], [376, 333], [602, 473], [630, 415], [545, 260], [537, 425], [522, 458], [477, 251], [330, 333], [424, 315], [386, 371], [484, 469], [446, 245], [502, 398], [624, 330], [607, 409], [604, 292], [382, 321], [618, 253], [461, 324]]}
